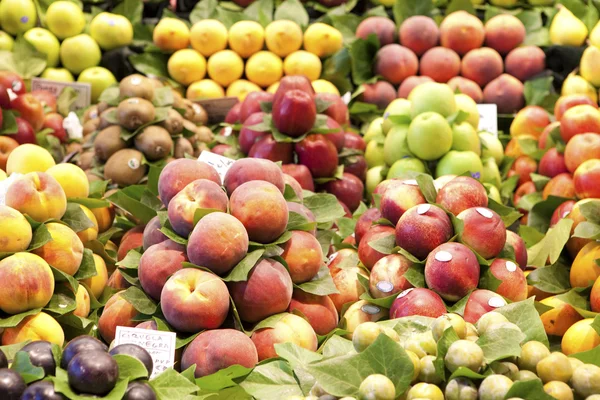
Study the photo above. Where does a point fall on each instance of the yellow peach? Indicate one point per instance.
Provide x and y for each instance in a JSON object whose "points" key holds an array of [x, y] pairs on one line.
{"points": [[35, 327], [38, 195], [64, 251], [104, 217], [83, 302], [72, 179], [29, 158], [97, 283], [90, 233], [15, 231]]}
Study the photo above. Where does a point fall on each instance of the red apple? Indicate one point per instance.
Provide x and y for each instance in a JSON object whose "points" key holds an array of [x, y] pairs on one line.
{"points": [[587, 178], [248, 136], [579, 119], [417, 301], [423, 228], [367, 254], [580, 148], [13, 81], [357, 166], [543, 140], [552, 163], [354, 141], [524, 189], [301, 174], [337, 110], [566, 102], [518, 244], [523, 166], [46, 98], [364, 223], [336, 136], [318, 154], [54, 121], [269, 149], [561, 212], [251, 104], [233, 115], [293, 82], [25, 133], [294, 113], [348, 190], [4, 97], [481, 301], [31, 110]]}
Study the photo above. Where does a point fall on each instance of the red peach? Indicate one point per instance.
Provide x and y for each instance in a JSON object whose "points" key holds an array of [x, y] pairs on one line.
{"points": [[523, 189], [561, 212], [152, 234], [368, 255], [290, 328], [410, 83], [47, 99], [531, 120], [506, 92], [303, 255], [349, 190], [514, 282], [398, 198], [320, 311], [504, 32], [562, 185], [419, 33], [344, 270], [462, 32], [293, 82], [364, 223], [461, 193], [357, 166], [337, 110], [179, 173], [423, 228], [553, 163], [543, 140], [25, 132], [54, 121], [293, 183], [30, 109], [318, 154], [482, 65], [380, 93], [117, 312], [579, 119], [354, 141], [387, 276], [440, 64], [523, 166], [569, 101], [452, 271], [586, 179], [395, 63], [269, 149], [467, 87], [382, 27], [483, 231], [253, 169], [294, 113], [132, 239], [157, 264], [233, 115], [251, 104], [582, 147], [525, 62], [417, 301]]}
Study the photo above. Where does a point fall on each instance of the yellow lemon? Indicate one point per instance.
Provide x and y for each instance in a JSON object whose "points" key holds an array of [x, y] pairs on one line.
{"points": [[187, 66], [322, 39], [273, 88], [205, 89], [171, 34], [208, 36], [225, 66], [303, 63], [241, 88], [264, 68], [283, 37], [323, 86], [246, 38], [581, 336]]}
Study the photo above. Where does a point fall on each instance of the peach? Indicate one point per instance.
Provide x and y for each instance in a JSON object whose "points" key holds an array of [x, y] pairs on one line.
{"points": [[543, 139], [253, 169], [15, 231], [364, 223], [506, 92], [7, 145], [518, 245], [319, 311], [582, 147], [419, 33], [562, 185], [90, 233], [482, 65], [504, 32], [157, 264], [569, 101], [267, 291], [466, 86], [480, 302], [367, 254], [579, 119], [345, 279], [152, 234], [289, 329], [452, 271], [461, 193], [82, 299], [575, 244], [380, 93], [387, 276], [523, 166], [595, 296], [29, 158], [410, 83], [117, 312], [64, 251], [359, 313], [561, 212], [31, 283], [553, 163], [293, 183], [104, 216], [35, 327], [395, 63], [179, 173], [531, 120], [440, 64], [585, 271], [483, 231], [71, 178], [212, 351], [586, 178], [562, 316], [98, 282], [514, 283], [117, 281], [193, 300], [382, 27], [398, 198], [132, 239], [461, 32], [38, 195], [525, 62], [303, 255], [303, 211], [523, 189], [422, 228], [418, 301], [301, 174]]}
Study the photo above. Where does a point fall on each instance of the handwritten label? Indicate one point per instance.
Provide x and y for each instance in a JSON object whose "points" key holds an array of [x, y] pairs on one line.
{"points": [[220, 163], [73, 126], [488, 118], [84, 90], [160, 345]]}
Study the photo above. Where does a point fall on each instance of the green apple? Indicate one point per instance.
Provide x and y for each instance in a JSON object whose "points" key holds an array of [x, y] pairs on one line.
{"points": [[375, 130], [79, 52], [100, 79], [491, 147], [374, 154], [375, 176], [45, 42], [406, 168], [429, 135], [493, 192], [504, 3], [395, 108], [111, 30], [465, 138], [6, 41], [459, 162], [432, 96], [17, 16], [395, 146], [541, 2], [58, 74], [65, 19], [491, 172], [468, 105]]}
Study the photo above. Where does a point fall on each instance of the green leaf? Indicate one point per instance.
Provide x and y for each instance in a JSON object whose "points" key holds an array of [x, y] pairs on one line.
{"points": [[223, 378], [500, 343], [76, 218], [298, 222], [459, 306], [131, 260], [362, 56], [408, 8], [89, 202], [540, 92], [460, 5], [260, 11], [203, 10], [587, 230], [321, 285], [41, 236], [29, 372], [298, 358], [530, 235], [294, 11], [443, 345], [130, 368], [87, 268], [337, 346], [28, 62], [139, 300], [272, 380], [203, 212], [62, 301], [550, 279], [427, 187], [406, 327], [541, 213], [528, 201], [14, 320], [463, 372], [590, 209], [337, 68], [530, 390], [325, 207], [240, 272], [525, 316], [9, 123], [508, 214], [589, 357], [171, 385], [130, 9], [60, 276], [384, 245], [123, 200], [551, 245], [10, 351], [150, 64], [65, 100], [97, 189]]}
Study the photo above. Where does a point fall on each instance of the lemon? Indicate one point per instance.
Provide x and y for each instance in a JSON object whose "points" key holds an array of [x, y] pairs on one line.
{"points": [[283, 37], [205, 89], [208, 36], [225, 66], [322, 39], [323, 86], [273, 88], [187, 66], [241, 88], [303, 63], [171, 34], [246, 38], [264, 68]]}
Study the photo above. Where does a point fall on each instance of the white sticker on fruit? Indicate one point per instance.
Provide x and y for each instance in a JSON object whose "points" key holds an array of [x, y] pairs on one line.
{"points": [[347, 97], [511, 266], [496, 302], [5, 184], [12, 95], [136, 80], [220, 163], [227, 131], [407, 291], [423, 208], [370, 309], [384, 286], [443, 256], [484, 212], [83, 90], [488, 118], [566, 214], [411, 182], [331, 258], [160, 345], [72, 125]]}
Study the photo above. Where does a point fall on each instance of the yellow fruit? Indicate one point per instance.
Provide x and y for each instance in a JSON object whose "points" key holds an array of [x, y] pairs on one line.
{"points": [[283, 37], [595, 35], [90, 233], [2, 175], [588, 66], [273, 88], [171, 34], [264, 68], [575, 84], [322, 39], [562, 316], [246, 38], [205, 89], [303, 63], [584, 270], [567, 30], [323, 86], [225, 66], [208, 36], [71, 178], [97, 283], [580, 337], [241, 88], [187, 66], [29, 158]]}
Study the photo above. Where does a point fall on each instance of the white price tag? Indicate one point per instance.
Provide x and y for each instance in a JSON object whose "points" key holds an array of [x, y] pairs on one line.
{"points": [[347, 97], [73, 126], [220, 163], [160, 345], [488, 118], [84, 90]]}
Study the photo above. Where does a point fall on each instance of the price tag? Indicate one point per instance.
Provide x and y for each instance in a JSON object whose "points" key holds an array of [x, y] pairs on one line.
{"points": [[347, 97], [160, 345], [488, 118], [84, 90], [73, 126], [220, 163]]}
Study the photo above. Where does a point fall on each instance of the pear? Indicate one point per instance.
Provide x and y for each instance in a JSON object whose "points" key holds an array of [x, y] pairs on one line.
{"points": [[567, 30], [575, 84], [588, 66], [595, 35]]}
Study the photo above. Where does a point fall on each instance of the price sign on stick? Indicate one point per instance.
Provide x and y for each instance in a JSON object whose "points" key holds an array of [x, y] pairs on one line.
{"points": [[160, 345], [488, 118], [220, 163]]}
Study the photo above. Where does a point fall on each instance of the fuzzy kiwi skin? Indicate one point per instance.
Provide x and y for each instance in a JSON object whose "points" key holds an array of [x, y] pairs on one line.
{"points": [[173, 123], [194, 112], [125, 167], [104, 120], [136, 85], [183, 147], [86, 160], [155, 142], [134, 112], [108, 142], [91, 126]]}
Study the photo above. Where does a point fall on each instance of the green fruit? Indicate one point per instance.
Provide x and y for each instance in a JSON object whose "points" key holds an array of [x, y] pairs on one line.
{"points": [[79, 52], [575, 363], [432, 96], [111, 30], [377, 387], [425, 391], [364, 335], [100, 78], [558, 390], [17, 16], [375, 176], [396, 107], [395, 145], [416, 365], [468, 105], [429, 136], [58, 74], [491, 147], [458, 163], [465, 138], [489, 319], [586, 380], [505, 368], [524, 375], [374, 131], [65, 19], [531, 354], [460, 389], [405, 168], [494, 387], [491, 173], [555, 367], [374, 154], [6, 41], [493, 192], [427, 371], [464, 353], [447, 321], [46, 43]]}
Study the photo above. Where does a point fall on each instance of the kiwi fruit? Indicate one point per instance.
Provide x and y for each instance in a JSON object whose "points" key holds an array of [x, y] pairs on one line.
{"points": [[92, 176], [108, 142], [136, 85], [104, 120], [156, 83], [155, 142], [204, 134], [125, 167], [101, 107], [91, 113], [86, 160], [74, 147], [200, 148], [199, 116], [173, 123], [135, 112], [90, 126], [183, 147]]}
